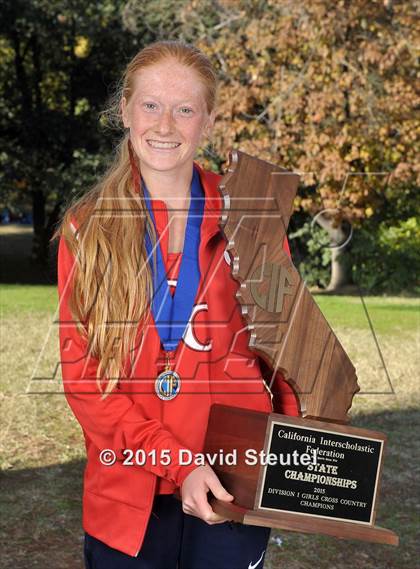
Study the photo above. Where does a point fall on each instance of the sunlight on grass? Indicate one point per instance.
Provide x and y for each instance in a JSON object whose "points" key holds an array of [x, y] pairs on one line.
{"points": [[42, 450]]}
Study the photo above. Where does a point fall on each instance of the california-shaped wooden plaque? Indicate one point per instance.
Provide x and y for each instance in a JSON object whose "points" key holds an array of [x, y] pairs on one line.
{"points": [[288, 330], [338, 495]]}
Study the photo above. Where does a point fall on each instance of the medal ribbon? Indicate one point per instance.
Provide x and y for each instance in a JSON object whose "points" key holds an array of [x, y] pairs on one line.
{"points": [[171, 313]]}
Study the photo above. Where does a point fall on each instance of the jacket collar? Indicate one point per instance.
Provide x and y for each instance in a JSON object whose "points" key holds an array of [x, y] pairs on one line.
{"points": [[213, 202], [212, 205], [210, 222]]}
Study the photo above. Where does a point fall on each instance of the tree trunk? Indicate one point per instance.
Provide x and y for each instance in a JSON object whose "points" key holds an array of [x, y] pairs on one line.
{"points": [[339, 275], [39, 247]]}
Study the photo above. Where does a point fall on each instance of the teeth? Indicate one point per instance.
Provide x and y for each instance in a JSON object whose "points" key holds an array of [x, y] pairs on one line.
{"points": [[156, 144]]}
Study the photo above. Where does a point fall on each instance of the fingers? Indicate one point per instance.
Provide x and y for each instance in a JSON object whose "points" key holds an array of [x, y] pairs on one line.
{"points": [[218, 490], [202, 509], [196, 504], [194, 495], [216, 519]]}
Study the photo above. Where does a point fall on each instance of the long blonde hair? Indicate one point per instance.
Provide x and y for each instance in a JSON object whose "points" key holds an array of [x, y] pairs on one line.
{"points": [[112, 283]]}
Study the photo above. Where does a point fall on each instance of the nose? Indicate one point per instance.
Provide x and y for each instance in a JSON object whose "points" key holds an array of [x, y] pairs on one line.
{"points": [[165, 123]]}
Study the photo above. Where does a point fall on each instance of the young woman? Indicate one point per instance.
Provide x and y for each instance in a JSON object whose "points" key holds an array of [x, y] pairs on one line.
{"points": [[151, 333]]}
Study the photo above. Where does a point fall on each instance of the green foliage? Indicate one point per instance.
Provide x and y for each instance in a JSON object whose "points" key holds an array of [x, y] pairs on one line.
{"points": [[382, 258], [312, 86], [58, 61], [314, 259], [386, 258], [83, 172]]}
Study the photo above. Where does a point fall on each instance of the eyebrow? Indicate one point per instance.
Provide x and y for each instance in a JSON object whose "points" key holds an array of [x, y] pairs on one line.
{"points": [[179, 102]]}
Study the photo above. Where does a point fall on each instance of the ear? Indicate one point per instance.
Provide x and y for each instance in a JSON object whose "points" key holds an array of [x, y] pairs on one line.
{"points": [[212, 118], [124, 113], [210, 121]]}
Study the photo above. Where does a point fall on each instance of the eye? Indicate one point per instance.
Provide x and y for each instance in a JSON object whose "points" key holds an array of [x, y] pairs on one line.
{"points": [[149, 106], [186, 111]]}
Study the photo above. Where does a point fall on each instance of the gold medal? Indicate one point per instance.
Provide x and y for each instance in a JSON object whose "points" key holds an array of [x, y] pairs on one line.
{"points": [[168, 382]]}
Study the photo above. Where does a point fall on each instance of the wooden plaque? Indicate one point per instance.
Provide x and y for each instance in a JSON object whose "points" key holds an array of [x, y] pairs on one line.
{"points": [[291, 335], [336, 494], [288, 330]]}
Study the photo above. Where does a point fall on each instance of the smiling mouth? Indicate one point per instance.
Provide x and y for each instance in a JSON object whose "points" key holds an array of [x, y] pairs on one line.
{"points": [[162, 145]]}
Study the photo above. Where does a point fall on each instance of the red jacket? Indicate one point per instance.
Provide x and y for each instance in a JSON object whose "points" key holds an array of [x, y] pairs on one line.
{"points": [[215, 365]]}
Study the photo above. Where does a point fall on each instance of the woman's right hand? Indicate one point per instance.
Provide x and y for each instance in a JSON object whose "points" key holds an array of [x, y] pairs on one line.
{"points": [[194, 494]]}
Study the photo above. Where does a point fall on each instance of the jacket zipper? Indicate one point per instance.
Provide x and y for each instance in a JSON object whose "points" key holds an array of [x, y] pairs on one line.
{"points": [[150, 511], [270, 393]]}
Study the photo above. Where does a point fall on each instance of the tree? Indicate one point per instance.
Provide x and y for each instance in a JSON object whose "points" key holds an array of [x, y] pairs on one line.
{"points": [[326, 88], [59, 58]]}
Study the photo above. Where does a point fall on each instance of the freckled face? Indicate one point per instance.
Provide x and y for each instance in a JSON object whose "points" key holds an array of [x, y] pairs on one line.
{"points": [[167, 116]]}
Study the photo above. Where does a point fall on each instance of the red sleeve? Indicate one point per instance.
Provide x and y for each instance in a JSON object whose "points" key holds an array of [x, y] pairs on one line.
{"points": [[286, 247], [116, 422], [284, 398]]}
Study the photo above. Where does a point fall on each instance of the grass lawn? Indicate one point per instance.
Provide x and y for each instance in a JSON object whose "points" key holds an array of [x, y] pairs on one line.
{"points": [[42, 450]]}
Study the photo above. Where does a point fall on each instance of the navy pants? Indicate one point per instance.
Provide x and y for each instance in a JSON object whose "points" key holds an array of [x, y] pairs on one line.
{"points": [[175, 540]]}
